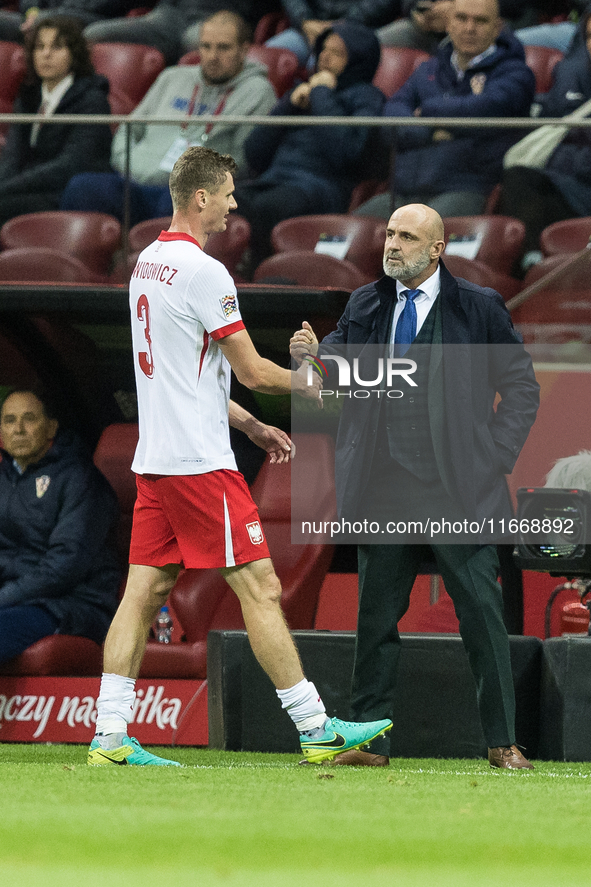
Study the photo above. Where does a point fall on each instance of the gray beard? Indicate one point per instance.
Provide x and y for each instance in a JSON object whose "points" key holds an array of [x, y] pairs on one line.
{"points": [[408, 270]]}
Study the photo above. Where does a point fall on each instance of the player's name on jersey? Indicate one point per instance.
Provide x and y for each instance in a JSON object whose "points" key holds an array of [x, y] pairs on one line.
{"points": [[155, 271]]}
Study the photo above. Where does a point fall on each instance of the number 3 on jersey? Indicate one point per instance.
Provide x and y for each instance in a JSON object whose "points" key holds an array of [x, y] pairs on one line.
{"points": [[145, 357]]}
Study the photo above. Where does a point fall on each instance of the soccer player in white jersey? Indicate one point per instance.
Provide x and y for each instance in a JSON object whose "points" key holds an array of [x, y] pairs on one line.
{"points": [[193, 506]]}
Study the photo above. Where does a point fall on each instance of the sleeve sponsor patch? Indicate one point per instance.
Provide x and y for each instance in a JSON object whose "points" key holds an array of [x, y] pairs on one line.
{"points": [[229, 304]]}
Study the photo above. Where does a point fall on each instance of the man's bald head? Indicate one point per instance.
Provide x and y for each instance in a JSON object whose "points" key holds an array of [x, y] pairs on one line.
{"points": [[414, 243]]}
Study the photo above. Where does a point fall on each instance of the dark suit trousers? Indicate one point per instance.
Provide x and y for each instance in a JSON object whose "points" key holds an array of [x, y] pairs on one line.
{"points": [[386, 577]]}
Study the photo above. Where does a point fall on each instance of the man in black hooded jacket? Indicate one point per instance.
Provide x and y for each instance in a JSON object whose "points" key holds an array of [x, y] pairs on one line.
{"points": [[58, 574]]}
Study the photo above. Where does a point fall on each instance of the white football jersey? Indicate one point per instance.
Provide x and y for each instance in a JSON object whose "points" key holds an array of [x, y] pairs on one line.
{"points": [[182, 303]]}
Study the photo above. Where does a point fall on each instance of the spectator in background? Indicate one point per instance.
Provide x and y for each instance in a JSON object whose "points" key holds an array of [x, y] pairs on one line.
{"points": [[38, 159], [58, 574], [309, 18], [480, 72], [423, 26], [561, 189], [571, 472], [225, 82], [555, 35], [311, 169], [13, 25], [173, 25]]}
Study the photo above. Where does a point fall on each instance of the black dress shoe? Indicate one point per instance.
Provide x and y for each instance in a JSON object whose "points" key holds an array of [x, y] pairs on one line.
{"points": [[508, 757]]}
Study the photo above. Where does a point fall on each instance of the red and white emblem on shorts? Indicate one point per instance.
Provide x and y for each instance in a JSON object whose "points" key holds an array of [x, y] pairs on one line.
{"points": [[255, 531]]}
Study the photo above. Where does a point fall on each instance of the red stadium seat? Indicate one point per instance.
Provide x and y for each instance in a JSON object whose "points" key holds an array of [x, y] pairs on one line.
{"points": [[226, 246], [560, 310], [201, 599], [281, 64], [270, 24], [501, 245], [480, 274], [57, 655], [307, 268], [91, 238], [569, 236], [120, 103], [13, 67], [366, 189], [397, 63], [366, 234], [43, 265], [542, 61], [129, 67]]}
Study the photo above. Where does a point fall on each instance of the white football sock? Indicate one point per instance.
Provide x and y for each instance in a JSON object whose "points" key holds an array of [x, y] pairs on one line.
{"points": [[114, 705], [303, 705]]}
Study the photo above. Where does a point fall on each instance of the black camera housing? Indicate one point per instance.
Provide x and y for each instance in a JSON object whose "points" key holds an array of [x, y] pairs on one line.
{"points": [[564, 549]]}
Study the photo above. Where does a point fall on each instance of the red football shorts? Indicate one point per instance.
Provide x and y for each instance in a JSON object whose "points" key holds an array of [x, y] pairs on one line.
{"points": [[198, 520]]}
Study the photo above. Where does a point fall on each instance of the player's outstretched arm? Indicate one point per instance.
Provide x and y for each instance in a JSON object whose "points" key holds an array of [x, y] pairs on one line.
{"points": [[260, 374], [303, 342], [273, 440]]}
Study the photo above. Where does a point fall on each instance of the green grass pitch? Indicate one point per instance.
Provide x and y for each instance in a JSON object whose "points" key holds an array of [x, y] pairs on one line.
{"points": [[240, 820]]}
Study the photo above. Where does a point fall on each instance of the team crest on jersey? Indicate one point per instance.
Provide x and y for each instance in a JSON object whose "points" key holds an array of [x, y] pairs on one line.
{"points": [[229, 305], [255, 532], [41, 485]]}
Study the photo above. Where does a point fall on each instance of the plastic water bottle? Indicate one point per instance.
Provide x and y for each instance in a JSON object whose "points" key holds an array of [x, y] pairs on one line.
{"points": [[164, 626]]}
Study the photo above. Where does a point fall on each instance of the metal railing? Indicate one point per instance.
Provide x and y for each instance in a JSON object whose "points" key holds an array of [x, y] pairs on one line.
{"points": [[127, 121]]}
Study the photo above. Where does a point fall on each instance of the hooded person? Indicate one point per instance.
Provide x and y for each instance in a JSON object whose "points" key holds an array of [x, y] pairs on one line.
{"points": [[561, 189], [313, 169]]}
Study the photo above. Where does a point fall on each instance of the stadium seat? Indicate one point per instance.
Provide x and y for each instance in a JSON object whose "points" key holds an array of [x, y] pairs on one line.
{"points": [[560, 310], [397, 63], [576, 277], [501, 245], [366, 189], [569, 236], [282, 65], [226, 246], [307, 268], [270, 24], [201, 599], [480, 274], [542, 60], [113, 457], [91, 238], [366, 235], [13, 67], [129, 67], [120, 103], [41, 264], [556, 306], [57, 655]]}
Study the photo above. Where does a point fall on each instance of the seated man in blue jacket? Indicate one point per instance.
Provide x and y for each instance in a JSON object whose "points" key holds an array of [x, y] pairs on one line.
{"points": [[58, 573], [479, 72]]}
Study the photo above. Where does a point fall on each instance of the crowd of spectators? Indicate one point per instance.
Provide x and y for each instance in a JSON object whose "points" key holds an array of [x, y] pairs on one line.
{"points": [[477, 69]]}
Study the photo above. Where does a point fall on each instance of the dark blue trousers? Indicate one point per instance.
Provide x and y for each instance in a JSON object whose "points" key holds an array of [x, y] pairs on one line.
{"points": [[22, 626]]}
